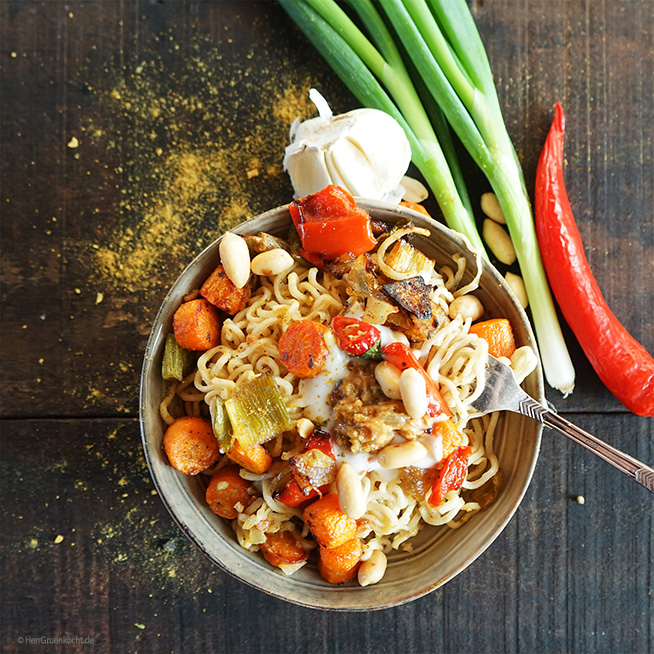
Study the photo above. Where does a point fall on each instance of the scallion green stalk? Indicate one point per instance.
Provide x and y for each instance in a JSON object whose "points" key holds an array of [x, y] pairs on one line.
{"points": [[364, 69], [448, 55]]}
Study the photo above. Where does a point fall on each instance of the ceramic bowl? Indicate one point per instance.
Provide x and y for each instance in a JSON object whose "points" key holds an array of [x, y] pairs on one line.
{"points": [[439, 553]]}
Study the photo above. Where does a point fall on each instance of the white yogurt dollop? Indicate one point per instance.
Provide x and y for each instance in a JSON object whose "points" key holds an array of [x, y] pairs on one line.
{"points": [[316, 391]]}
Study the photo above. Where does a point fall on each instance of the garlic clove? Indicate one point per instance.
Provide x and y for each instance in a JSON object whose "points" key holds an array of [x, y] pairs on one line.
{"points": [[365, 151], [354, 170], [309, 172], [383, 141]]}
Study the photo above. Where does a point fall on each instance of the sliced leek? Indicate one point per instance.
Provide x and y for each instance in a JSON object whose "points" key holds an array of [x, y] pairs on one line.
{"points": [[222, 427], [257, 411], [177, 362]]}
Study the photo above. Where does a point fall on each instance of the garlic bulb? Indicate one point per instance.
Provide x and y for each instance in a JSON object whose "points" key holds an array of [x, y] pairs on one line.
{"points": [[365, 151]]}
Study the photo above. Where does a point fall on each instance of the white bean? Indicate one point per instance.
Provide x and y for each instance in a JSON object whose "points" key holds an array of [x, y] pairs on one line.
{"points": [[523, 362], [271, 262], [491, 207], [413, 390], [499, 241], [401, 455], [517, 285], [466, 306], [350, 492], [372, 569], [235, 258], [388, 378]]}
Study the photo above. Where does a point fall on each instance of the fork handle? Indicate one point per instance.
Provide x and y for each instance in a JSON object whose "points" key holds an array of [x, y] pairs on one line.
{"points": [[642, 473]]}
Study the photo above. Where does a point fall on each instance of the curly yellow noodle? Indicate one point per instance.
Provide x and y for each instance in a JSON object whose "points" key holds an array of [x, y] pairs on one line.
{"points": [[248, 346]]}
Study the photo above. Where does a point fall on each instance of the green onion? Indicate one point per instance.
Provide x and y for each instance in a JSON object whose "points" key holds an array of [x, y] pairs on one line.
{"points": [[358, 63], [449, 60]]}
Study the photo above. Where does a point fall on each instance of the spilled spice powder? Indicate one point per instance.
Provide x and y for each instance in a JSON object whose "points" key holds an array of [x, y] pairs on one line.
{"points": [[195, 153]]}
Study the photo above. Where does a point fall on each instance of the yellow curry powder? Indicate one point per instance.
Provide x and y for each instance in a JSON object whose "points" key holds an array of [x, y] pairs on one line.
{"points": [[194, 154]]}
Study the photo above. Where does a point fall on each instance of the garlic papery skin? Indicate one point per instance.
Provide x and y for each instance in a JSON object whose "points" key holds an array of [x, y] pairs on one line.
{"points": [[365, 151]]}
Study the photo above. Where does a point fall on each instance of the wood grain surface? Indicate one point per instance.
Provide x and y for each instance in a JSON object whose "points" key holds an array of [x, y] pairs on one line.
{"points": [[133, 133]]}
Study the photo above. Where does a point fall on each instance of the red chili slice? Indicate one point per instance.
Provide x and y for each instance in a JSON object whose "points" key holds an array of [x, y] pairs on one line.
{"points": [[355, 336]]}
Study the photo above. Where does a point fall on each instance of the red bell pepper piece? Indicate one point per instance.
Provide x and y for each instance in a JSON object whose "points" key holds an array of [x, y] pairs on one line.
{"points": [[292, 494], [320, 440], [401, 357], [451, 476], [623, 364], [355, 336], [330, 224]]}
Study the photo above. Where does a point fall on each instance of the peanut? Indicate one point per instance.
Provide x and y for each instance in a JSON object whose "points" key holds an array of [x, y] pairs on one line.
{"points": [[517, 285], [235, 257], [413, 390], [350, 492], [491, 207], [388, 378], [271, 262], [401, 455], [499, 241], [372, 569], [466, 306]]}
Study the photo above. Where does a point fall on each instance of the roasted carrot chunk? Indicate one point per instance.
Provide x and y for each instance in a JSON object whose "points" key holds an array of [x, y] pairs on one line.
{"points": [[222, 293], [196, 325], [338, 565], [227, 489], [327, 522], [302, 348], [190, 445], [452, 437], [255, 459], [283, 547], [416, 206], [498, 333]]}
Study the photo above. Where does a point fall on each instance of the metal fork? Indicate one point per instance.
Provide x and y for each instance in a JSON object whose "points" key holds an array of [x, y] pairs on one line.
{"points": [[502, 392]]}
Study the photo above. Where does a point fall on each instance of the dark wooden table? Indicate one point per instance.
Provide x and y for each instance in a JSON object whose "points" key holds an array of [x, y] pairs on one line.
{"points": [[133, 133]]}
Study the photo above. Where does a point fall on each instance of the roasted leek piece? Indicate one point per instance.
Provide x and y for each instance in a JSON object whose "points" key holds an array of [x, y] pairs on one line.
{"points": [[404, 257], [257, 411], [177, 362], [222, 427]]}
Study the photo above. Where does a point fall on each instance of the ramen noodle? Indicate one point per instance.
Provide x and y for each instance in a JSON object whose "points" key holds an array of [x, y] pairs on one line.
{"points": [[395, 501]]}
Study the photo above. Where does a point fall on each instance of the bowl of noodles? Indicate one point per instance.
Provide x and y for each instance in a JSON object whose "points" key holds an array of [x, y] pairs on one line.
{"points": [[419, 543]]}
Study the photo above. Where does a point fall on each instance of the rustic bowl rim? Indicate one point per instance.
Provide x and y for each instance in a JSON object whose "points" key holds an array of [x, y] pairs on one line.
{"points": [[250, 569]]}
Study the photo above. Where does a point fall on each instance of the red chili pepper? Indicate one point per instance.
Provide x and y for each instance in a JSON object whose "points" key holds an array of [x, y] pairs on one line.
{"points": [[292, 495], [401, 357], [451, 476], [329, 223], [623, 364], [355, 336]]}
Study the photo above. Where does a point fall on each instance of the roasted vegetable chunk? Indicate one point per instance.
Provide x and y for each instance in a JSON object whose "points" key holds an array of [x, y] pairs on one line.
{"points": [[313, 469], [411, 294], [222, 293]]}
